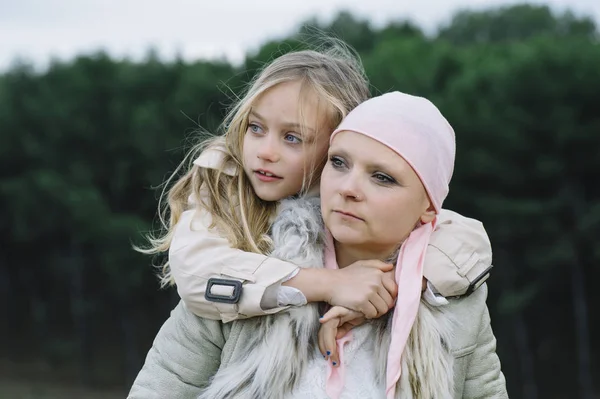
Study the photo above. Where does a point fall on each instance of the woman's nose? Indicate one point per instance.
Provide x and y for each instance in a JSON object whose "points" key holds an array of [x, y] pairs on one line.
{"points": [[350, 189]]}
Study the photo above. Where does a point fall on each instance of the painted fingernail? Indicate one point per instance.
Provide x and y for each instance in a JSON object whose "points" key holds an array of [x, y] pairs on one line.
{"points": [[334, 363], [328, 353]]}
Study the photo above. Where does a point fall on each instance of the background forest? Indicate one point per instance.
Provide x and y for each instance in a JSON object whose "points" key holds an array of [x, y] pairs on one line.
{"points": [[85, 143]]}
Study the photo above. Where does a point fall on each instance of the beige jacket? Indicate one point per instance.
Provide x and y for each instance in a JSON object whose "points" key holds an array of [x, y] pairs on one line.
{"points": [[459, 252]]}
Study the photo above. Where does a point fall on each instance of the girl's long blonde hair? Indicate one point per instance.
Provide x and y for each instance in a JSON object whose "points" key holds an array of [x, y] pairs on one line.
{"points": [[335, 74]]}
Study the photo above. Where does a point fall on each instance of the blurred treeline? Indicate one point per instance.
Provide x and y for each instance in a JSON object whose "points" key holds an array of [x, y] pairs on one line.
{"points": [[84, 144]]}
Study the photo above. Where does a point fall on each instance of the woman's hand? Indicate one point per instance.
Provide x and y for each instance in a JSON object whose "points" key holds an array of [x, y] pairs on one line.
{"points": [[367, 287], [335, 324]]}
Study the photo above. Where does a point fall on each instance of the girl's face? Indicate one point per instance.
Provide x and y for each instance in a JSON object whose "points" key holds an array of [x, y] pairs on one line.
{"points": [[281, 146], [371, 199]]}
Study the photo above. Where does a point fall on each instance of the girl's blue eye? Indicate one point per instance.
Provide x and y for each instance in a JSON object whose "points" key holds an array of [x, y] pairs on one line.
{"points": [[254, 128], [290, 138]]}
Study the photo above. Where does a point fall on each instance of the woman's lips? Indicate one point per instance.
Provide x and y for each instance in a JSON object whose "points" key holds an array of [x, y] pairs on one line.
{"points": [[347, 215]]}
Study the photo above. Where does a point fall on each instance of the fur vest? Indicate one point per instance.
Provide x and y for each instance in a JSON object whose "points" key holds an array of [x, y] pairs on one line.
{"points": [[284, 343]]}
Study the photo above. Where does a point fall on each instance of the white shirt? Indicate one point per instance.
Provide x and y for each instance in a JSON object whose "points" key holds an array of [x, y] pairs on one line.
{"points": [[359, 360]]}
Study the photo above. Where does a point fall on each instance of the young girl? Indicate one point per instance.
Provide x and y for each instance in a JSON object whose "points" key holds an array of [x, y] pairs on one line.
{"points": [[275, 145]]}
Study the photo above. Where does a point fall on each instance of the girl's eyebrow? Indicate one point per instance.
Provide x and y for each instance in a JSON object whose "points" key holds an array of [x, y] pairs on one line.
{"points": [[256, 115], [299, 126]]}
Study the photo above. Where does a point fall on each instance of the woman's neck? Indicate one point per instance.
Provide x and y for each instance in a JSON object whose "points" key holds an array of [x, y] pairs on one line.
{"points": [[347, 254]]}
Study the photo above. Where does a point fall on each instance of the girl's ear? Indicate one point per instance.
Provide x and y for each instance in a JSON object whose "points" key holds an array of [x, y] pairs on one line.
{"points": [[428, 215]]}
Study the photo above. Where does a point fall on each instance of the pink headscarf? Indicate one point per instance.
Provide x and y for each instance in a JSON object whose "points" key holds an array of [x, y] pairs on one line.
{"points": [[416, 130]]}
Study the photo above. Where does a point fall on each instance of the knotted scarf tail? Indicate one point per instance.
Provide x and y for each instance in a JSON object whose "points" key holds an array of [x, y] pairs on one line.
{"points": [[334, 385], [409, 277]]}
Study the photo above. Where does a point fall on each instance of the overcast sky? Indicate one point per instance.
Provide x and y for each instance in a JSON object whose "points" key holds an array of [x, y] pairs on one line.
{"points": [[39, 29]]}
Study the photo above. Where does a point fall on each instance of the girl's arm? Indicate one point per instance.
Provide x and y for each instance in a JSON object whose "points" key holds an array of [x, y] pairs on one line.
{"points": [[245, 284], [200, 260], [458, 261], [459, 256]]}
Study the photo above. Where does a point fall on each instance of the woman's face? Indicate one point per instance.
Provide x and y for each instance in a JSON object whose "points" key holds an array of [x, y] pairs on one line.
{"points": [[370, 196]]}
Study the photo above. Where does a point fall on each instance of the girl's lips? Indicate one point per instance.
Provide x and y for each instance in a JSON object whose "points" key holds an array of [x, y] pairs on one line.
{"points": [[263, 175]]}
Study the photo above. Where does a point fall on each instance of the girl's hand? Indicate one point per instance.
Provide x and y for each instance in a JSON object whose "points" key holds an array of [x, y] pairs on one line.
{"points": [[335, 324], [367, 287]]}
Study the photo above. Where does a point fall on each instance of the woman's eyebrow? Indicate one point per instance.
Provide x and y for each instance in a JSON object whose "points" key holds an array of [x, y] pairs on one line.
{"points": [[299, 126], [370, 165], [339, 152], [379, 166]]}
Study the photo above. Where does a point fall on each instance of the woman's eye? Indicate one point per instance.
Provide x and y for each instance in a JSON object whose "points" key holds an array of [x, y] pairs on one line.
{"points": [[382, 178], [336, 162], [290, 138], [254, 128]]}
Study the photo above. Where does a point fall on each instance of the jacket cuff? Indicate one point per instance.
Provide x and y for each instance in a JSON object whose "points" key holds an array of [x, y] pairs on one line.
{"points": [[269, 273]]}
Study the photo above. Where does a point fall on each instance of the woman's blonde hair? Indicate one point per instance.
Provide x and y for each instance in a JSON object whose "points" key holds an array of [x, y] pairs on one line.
{"points": [[334, 74]]}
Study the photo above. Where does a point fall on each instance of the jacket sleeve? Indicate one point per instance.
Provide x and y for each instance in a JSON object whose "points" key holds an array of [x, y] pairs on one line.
{"points": [[459, 253], [185, 354], [484, 377], [199, 253]]}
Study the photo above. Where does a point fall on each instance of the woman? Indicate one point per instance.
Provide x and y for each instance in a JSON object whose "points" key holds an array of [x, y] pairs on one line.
{"points": [[390, 164]]}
